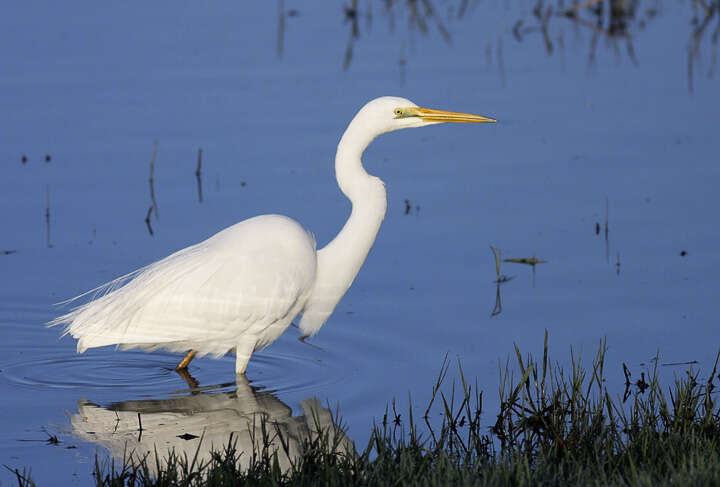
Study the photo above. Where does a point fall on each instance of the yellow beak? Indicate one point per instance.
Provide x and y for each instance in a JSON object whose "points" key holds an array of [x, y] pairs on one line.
{"points": [[431, 115]]}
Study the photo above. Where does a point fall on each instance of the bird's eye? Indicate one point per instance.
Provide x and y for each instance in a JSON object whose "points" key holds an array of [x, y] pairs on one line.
{"points": [[398, 112]]}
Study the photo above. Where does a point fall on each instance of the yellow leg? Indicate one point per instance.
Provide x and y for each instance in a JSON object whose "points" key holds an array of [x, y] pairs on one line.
{"points": [[186, 360]]}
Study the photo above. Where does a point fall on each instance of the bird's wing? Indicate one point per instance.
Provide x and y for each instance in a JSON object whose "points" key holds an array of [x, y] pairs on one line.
{"points": [[237, 283]]}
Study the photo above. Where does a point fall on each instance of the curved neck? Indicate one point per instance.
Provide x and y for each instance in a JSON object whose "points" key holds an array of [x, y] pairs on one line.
{"points": [[369, 203], [340, 260]]}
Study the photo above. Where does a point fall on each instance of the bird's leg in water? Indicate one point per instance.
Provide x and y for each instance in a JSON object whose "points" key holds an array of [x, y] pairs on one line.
{"points": [[305, 337], [186, 360], [243, 351], [191, 381]]}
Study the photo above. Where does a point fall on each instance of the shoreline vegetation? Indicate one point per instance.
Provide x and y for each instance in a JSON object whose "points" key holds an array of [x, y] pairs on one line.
{"points": [[554, 427]]}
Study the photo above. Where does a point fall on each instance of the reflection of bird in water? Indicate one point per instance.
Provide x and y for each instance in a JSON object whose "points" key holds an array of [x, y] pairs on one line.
{"points": [[241, 288], [204, 423]]}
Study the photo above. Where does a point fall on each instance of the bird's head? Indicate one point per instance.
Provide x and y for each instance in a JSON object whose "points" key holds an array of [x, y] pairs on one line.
{"points": [[389, 113]]}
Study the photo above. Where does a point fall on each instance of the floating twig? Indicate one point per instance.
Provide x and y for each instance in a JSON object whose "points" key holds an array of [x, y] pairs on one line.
{"points": [[198, 174], [531, 261], [526, 260], [152, 178], [140, 428], [147, 220], [47, 214]]}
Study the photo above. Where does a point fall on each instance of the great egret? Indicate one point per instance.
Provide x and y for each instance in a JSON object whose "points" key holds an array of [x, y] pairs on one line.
{"points": [[241, 288]]}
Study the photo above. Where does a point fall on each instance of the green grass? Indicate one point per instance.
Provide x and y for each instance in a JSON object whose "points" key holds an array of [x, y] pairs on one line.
{"points": [[554, 427]]}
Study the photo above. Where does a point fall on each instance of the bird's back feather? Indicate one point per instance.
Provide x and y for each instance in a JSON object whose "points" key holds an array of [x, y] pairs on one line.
{"points": [[246, 282]]}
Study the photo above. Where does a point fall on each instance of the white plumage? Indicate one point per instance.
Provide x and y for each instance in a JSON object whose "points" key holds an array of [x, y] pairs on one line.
{"points": [[241, 288], [249, 281]]}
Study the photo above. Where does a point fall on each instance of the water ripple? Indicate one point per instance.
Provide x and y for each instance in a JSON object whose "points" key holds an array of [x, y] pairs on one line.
{"points": [[291, 373], [106, 371], [154, 374]]}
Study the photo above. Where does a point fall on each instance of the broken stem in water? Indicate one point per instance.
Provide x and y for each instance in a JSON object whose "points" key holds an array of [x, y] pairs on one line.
{"points": [[198, 175], [152, 178]]}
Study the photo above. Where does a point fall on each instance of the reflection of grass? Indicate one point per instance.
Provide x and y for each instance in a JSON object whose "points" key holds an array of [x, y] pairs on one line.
{"points": [[554, 427], [499, 277], [618, 21], [151, 181], [705, 13]]}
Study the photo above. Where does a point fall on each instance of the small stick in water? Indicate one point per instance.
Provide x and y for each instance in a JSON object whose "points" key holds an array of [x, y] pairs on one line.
{"points": [[533, 261], [152, 179], [147, 220], [198, 175], [47, 214], [140, 428]]}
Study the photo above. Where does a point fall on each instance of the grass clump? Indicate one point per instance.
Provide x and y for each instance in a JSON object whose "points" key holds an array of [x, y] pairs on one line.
{"points": [[553, 427]]}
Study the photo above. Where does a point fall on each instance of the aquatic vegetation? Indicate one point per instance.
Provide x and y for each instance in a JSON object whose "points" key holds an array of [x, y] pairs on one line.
{"points": [[554, 427]]}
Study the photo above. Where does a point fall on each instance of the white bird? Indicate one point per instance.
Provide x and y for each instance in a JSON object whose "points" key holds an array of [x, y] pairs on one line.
{"points": [[241, 288]]}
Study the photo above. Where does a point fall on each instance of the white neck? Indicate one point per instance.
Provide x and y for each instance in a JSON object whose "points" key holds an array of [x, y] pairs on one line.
{"points": [[340, 260]]}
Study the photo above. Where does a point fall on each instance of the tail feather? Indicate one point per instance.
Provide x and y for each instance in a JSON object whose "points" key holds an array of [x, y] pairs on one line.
{"points": [[105, 318]]}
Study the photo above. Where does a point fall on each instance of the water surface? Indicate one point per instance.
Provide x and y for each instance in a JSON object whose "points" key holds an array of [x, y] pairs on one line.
{"points": [[597, 123]]}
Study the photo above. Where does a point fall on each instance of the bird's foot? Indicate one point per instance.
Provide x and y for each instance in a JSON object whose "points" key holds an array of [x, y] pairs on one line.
{"points": [[303, 339]]}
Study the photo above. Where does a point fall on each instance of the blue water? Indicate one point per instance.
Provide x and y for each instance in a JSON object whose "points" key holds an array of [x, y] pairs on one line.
{"points": [[585, 134]]}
